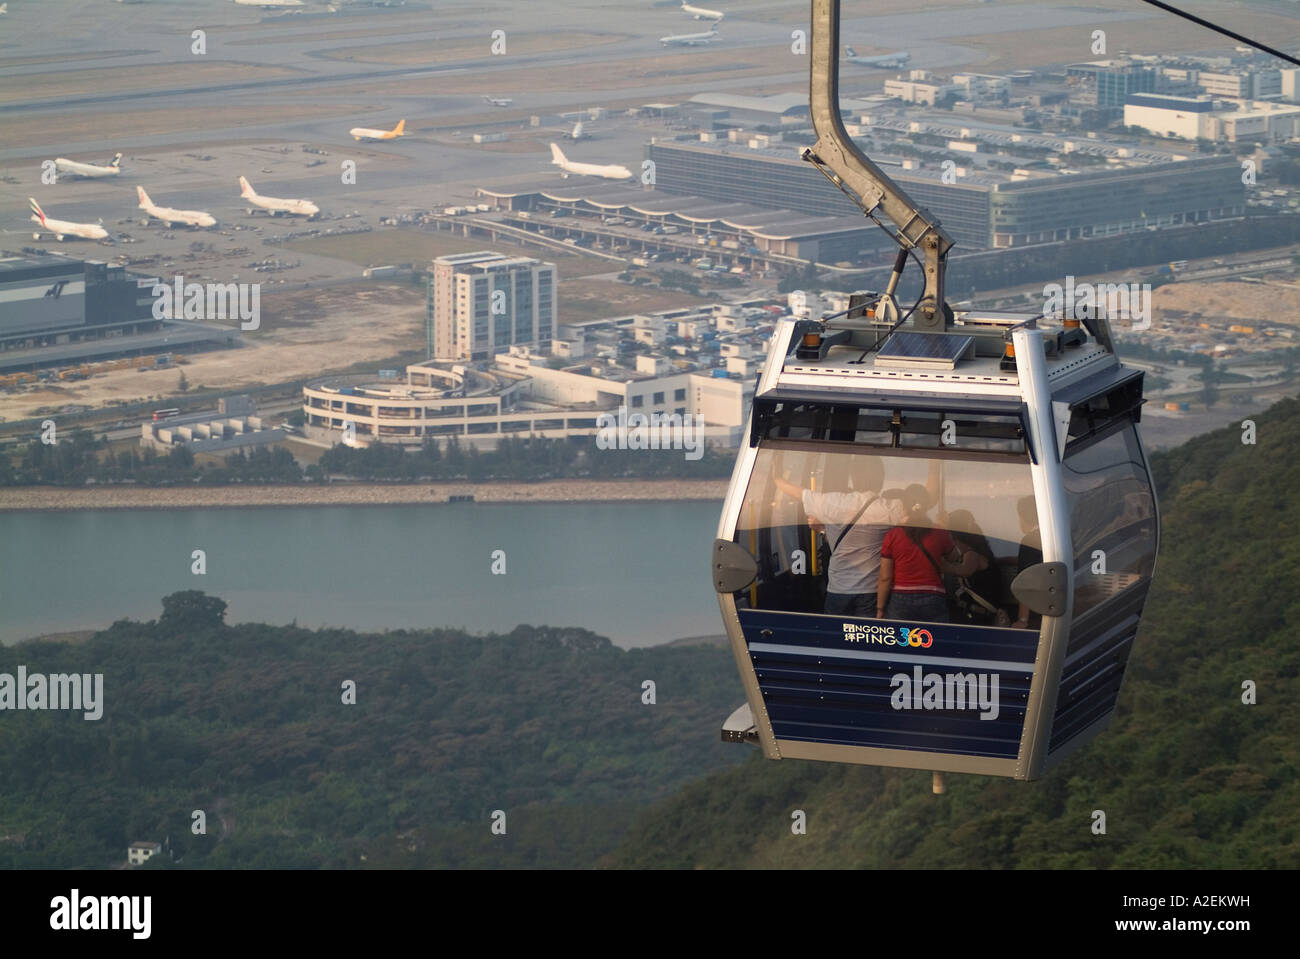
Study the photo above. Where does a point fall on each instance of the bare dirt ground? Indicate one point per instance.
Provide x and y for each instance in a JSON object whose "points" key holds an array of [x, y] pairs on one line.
{"points": [[1254, 304], [591, 299], [303, 334]]}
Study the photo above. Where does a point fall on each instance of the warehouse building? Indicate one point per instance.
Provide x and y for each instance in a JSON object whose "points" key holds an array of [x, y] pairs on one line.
{"points": [[58, 311]]}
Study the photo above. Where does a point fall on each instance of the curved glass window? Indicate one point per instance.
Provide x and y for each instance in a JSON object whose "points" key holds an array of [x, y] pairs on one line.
{"points": [[1112, 517], [820, 517]]}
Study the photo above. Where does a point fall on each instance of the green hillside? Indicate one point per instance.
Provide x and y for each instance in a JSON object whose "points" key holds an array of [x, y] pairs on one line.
{"points": [[248, 724], [1187, 775]]}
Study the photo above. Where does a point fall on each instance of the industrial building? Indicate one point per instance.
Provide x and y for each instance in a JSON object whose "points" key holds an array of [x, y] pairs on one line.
{"points": [[1203, 117], [1107, 84], [1190, 118], [483, 303], [57, 311]]}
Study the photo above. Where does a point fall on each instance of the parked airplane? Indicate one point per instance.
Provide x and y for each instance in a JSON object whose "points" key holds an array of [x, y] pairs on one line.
{"points": [[363, 133], [170, 216], [700, 13], [62, 228], [612, 171], [274, 205], [498, 101], [576, 133], [897, 59], [690, 39], [89, 169], [4, 8]]}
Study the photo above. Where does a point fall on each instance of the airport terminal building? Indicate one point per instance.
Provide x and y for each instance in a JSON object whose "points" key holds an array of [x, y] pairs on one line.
{"points": [[983, 208]]}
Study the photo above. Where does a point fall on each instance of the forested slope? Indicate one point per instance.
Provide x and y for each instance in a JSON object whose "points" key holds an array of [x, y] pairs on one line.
{"points": [[1187, 775]]}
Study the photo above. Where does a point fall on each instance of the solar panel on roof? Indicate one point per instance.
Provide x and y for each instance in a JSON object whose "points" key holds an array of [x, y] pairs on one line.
{"points": [[936, 350]]}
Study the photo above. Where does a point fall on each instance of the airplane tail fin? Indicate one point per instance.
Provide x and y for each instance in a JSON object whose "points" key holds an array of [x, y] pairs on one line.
{"points": [[144, 197], [400, 129], [36, 208], [245, 188], [557, 155], [849, 51], [116, 162]]}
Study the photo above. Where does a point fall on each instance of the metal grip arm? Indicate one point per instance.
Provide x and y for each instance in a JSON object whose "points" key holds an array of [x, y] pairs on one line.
{"points": [[847, 167]]}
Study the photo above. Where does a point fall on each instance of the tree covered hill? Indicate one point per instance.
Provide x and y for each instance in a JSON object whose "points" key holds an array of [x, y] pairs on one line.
{"points": [[248, 724], [1187, 775]]}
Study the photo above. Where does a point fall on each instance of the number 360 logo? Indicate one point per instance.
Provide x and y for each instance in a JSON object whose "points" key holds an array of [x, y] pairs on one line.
{"points": [[915, 637]]}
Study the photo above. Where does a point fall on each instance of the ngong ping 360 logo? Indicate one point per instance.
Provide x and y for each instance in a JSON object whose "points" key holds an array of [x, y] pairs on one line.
{"points": [[914, 636]]}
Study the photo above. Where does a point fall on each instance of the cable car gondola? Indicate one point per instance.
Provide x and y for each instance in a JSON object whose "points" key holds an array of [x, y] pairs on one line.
{"points": [[878, 439]]}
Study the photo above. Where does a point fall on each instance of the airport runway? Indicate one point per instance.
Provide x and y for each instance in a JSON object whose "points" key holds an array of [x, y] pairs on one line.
{"points": [[270, 84]]}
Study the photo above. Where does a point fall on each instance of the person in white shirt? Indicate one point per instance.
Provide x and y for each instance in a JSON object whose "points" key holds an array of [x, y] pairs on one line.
{"points": [[856, 521]]}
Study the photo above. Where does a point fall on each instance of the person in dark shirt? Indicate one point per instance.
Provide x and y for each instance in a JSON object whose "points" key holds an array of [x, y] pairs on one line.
{"points": [[979, 594]]}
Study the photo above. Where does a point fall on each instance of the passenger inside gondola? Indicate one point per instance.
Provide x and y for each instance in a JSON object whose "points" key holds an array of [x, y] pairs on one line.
{"points": [[976, 599], [913, 560], [855, 516], [816, 513]]}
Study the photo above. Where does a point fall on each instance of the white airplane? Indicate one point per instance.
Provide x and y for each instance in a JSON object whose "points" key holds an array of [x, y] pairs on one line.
{"points": [[62, 228], [613, 171], [498, 101], [690, 39], [364, 133], [4, 8], [170, 216], [700, 13], [89, 169], [576, 133], [274, 205], [898, 59]]}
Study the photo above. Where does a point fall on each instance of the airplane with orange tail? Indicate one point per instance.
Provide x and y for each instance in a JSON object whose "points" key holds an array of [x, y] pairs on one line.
{"points": [[364, 133]]}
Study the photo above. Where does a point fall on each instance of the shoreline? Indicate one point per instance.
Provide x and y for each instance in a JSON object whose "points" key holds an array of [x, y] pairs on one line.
{"points": [[54, 498]]}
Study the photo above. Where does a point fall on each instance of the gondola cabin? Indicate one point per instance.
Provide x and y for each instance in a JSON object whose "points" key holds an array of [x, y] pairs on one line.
{"points": [[1005, 436]]}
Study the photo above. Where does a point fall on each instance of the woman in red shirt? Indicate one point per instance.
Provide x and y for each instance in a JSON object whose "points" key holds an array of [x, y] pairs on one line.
{"points": [[913, 561]]}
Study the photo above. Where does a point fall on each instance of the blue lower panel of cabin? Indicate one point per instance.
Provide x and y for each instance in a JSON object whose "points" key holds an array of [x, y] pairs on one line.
{"points": [[1100, 643], [892, 685]]}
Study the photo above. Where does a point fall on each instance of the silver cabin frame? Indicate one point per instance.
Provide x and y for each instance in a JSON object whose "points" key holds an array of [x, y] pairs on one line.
{"points": [[1035, 383]]}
